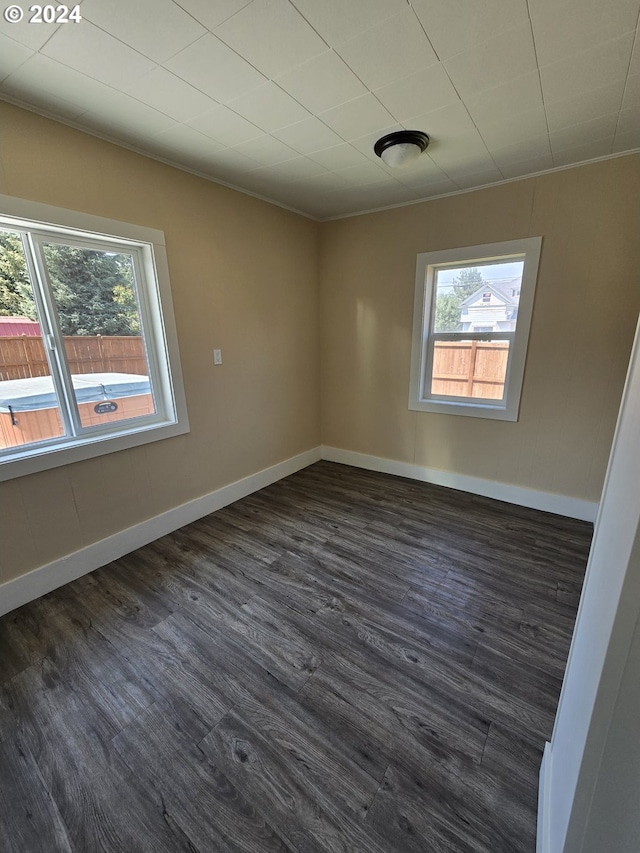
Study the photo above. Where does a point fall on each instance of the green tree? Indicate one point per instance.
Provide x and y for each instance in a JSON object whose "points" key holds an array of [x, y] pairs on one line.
{"points": [[467, 282], [448, 304], [93, 291], [16, 299]]}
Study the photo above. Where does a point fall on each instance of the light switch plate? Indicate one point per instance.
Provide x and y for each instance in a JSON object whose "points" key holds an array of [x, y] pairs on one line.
{"points": [[217, 356]]}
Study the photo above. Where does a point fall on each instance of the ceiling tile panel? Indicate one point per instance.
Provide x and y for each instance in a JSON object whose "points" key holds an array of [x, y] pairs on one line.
{"points": [[537, 146], [120, 114], [474, 162], [308, 136], [272, 35], [211, 14], [171, 95], [230, 165], [634, 66], [586, 105], [455, 26], [631, 99], [322, 83], [445, 123], [462, 164], [519, 95], [296, 169], [266, 150], [419, 173], [435, 188], [29, 35], [574, 135], [337, 20], [582, 25], [495, 61], [479, 179], [97, 54], [366, 173], [389, 51], [527, 167], [599, 148], [45, 102], [627, 141], [514, 128], [12, 56], [601, 66], [457, 148], [211, 66], [323, 182], [49, 79], [225, 126], [179, 138], [338, 156], [269, 107], [629, 121], [355, 118], [419, 93], [156, 28]]}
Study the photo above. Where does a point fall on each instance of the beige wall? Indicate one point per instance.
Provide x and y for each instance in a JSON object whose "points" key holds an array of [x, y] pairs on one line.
{"points": [[244, 278], [584, 317]]}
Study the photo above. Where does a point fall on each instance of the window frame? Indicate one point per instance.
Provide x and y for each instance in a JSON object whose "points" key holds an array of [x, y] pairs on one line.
{"points": [[423, 338], [146, 246]]}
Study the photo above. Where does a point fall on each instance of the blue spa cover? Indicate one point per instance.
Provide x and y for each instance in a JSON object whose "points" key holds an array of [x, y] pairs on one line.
{"points": [[37, 392]]}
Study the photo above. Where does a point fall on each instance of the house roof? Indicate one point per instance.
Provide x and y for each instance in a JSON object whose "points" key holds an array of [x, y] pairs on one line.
{"points": [[12, 326], [285, 98], [501, 288]]}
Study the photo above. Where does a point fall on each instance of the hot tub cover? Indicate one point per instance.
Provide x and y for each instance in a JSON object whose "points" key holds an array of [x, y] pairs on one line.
{"points": [[37, 392]]}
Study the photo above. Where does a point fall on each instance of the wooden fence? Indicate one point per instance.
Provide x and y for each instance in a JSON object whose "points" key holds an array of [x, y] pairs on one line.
{"points": [[470, 368], [24, 356]]}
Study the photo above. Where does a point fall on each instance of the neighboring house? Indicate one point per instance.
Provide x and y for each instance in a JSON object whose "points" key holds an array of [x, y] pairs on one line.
{"points": [[492, 307], [13, 326]]}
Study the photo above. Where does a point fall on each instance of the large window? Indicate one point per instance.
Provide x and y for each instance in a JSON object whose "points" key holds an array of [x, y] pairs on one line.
{"points": [[88, 355], [472, 315]]}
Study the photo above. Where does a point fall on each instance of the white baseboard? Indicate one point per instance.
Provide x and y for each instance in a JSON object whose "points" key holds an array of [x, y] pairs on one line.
{"points": [[15, 593], [542, 833], [547, 501]]}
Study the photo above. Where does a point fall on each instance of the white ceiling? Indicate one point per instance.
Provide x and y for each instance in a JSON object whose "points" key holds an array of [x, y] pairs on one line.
{"points": [[285, 98]]}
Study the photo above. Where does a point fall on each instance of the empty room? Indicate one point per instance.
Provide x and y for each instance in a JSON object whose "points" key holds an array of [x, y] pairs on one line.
{"points": [[319, 417]]}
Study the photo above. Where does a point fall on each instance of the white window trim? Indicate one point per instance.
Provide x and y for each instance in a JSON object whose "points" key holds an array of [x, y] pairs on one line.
{"points": [[427, 262], [158, 321]]}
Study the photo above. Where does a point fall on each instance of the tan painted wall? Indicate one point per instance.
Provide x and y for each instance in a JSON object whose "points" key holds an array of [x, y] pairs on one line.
{"points": [[244, 278], [585, 312]]}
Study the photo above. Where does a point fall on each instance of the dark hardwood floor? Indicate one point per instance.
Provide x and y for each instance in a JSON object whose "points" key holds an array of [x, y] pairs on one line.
{"points": [[343, 662]]}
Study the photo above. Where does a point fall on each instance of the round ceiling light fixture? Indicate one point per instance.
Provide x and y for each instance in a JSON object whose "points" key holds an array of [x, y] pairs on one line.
{"points": [[401, 148]]}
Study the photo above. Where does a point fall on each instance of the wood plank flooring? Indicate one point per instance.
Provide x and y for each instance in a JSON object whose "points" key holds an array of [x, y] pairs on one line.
{"points": [[344, 662]]}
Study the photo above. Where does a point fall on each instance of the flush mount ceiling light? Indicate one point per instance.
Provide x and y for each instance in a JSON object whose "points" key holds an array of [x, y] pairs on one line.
{"points": [[402, 147]]}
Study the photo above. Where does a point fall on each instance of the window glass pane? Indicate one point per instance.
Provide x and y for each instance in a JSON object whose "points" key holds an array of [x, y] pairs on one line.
{"points": [[470, 369], [29, 410], [481, 298], [95, 296]]}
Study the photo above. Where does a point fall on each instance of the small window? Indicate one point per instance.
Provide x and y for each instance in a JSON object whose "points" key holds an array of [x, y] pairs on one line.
{"points": [[469, 341], [88, 354]]}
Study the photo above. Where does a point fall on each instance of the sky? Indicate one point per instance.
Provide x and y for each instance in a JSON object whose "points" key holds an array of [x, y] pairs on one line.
{"points": [[490, 272]]}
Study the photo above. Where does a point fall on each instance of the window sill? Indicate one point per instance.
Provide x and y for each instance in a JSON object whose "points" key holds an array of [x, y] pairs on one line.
{"points": [[37, 459], [472, 410]]}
